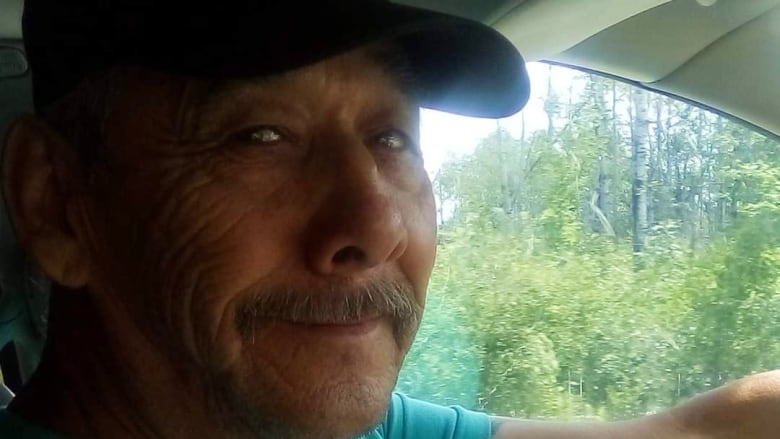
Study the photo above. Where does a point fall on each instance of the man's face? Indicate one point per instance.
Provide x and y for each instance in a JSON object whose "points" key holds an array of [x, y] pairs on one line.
{"points": [[273, 238]]}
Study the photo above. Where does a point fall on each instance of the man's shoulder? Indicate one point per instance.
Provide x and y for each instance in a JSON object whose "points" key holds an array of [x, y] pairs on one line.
{"points": [[15, 427], [409, 418]]}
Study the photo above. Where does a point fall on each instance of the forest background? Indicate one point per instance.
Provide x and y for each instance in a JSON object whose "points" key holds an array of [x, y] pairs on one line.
{"points": [[613, 264]]}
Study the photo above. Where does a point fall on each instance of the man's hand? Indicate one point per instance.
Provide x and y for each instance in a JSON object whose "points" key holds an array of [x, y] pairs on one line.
{"points": [[746, 408]]}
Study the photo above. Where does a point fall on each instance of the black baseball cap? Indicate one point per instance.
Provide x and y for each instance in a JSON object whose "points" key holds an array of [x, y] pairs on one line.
{"points": [[460, 66]]}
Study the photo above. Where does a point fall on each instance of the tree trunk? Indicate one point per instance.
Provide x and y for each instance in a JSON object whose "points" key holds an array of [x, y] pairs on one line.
{"points": [[639, 162], [440, 200], [549, 105], [506, 186]]}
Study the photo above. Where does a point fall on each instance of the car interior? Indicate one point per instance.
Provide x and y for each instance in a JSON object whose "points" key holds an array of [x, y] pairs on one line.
{"points": [[718, 54]]}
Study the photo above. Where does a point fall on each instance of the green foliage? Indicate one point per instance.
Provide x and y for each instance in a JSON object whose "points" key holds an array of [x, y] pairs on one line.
{"points": [[536, 307]]}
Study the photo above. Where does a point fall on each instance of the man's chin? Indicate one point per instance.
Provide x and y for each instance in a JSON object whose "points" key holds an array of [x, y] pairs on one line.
{"points": [[314, 382], [338, 411], [348, 412], [339, 392]]}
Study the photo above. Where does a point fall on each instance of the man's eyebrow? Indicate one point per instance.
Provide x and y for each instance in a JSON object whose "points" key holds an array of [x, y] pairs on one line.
{"points": [[205, 97], [216, 91]]}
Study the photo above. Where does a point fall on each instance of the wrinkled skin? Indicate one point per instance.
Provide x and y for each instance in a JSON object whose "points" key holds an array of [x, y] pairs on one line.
{"points": [[306, 188]]}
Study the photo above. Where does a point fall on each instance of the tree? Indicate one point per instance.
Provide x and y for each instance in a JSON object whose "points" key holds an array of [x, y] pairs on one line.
{"points": [[640, 142]]}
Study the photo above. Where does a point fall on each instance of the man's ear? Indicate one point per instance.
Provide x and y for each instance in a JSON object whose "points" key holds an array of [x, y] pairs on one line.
{"points": [[38, 177]]}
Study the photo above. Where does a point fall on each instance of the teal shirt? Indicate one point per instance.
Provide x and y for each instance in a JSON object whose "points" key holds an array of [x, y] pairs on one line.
{"points": [[406, 418], [409, 418]]}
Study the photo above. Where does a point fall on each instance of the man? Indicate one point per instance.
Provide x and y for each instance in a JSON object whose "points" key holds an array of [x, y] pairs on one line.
{"points": [[232, 208]]}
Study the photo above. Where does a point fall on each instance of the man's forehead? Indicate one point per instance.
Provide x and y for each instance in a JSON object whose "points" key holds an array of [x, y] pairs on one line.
{"points": [[377, 71], [382, 60], [183, 105]]}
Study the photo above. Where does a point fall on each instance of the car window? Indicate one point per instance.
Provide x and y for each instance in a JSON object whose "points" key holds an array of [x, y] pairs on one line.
{"points": [[604, 254]]}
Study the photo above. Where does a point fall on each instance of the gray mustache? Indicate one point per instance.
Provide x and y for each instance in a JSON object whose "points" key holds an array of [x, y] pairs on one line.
{"points": [[332, 305]]}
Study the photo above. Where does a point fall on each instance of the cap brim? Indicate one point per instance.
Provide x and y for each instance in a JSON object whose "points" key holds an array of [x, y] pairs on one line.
{"points": [[460, 66]]}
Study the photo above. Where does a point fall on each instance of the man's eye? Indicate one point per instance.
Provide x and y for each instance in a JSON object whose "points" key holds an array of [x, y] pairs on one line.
{"points": [[265, 135], [393, 140]]}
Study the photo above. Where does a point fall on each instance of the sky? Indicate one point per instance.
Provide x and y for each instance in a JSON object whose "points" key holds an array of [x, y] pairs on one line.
{"points": [[445, 135]]}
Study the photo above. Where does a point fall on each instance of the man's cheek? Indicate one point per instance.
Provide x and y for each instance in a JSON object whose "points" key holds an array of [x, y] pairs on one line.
{"points": [[422, 230], [209, 275]]}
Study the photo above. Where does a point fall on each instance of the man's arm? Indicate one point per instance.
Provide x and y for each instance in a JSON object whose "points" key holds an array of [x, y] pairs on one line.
{"points": [[643, 428], [746, 408]]}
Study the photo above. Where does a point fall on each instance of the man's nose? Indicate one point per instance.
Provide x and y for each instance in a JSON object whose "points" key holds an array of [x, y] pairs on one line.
{"points": [[359, 225]]}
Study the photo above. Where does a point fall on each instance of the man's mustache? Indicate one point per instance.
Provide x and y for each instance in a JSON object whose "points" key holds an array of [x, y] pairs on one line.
{"points": [[335, 304]]}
